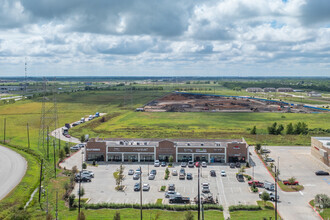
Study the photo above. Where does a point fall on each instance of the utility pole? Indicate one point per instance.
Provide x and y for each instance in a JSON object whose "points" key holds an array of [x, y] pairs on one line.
{"points": [[275, 193], [54, 157], [48, 143], [199, 197], [202, 211], [28, 134], [42, 161], [79, 193], [140, 193], [4, 130]]}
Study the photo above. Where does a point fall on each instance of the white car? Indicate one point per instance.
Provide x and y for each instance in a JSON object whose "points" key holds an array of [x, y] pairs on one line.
{"points": [[174, 173], [88, 173], [131, 172], [75, 148], [81, 145], [204, 164], [157, 163], [146, 187], [151, 176], [223, 173]]}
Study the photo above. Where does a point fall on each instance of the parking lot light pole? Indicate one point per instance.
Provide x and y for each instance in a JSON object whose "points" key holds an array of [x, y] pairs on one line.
{"points": [[199, 197], [141, 193], [275, 193]]}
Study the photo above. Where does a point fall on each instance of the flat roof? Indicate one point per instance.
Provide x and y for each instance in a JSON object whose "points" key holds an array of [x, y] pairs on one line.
{"points": [[324, 140]]}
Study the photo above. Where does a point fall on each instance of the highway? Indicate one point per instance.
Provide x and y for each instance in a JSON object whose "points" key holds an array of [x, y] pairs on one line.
{"points": [[12, 169]]}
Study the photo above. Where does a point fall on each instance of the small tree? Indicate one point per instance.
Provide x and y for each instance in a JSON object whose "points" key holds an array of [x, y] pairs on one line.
{"points": [[74, 170], [271, 166], [66, 149], [279, 129], [289, 129], [71, 200], [81, 191], [242, 170], [322, 201], [265, 197], [81, 216], [189, 216], [84, 166], [291, 181], [82, 138], [258, 147], [116, 216], [61, 155], [170, 159], [254, 130]]}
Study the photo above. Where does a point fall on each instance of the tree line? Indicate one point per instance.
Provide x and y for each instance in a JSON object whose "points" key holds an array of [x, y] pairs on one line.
{"points": [[291, 129]]}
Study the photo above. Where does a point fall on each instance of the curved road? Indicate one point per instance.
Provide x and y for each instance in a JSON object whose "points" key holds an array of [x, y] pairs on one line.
{"points": [[12, 169]]}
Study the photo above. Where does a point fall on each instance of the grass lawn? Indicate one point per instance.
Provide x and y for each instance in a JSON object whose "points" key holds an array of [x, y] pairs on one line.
{"points": [[325, 213], [266, 212]]}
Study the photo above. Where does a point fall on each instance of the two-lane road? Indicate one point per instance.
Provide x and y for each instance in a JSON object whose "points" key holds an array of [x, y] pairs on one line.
{"points": [[12, 169]]}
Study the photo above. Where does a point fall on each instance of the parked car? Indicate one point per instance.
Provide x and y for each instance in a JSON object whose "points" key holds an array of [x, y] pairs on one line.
{"points": [[179, 199], [76, 123], [205, 187], [182, 176], [75, 148], [169, 194], [138, 171], [83, 179], [146, 187], [269, 186], [232, 165], [67, 125], [171, 187], [82, 145], [151, 177], [223, 173], [136, 176], [212, 173], [163, 164], [240, 177], [87, 173], [67, 136], [321, 173], [256, 182], [174, 173], [265, 151], [191, 164], [137, 187], [154, 172], [238, 165], [182, 170], [286, 182], [269, 159], [189, 176], [130, 172], [197, 164], [183, 164], [157, 163], [204, 164], [271, 196]]}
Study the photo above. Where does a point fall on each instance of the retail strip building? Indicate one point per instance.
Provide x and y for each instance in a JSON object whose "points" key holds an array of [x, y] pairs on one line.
{"points": [[149, 150]]}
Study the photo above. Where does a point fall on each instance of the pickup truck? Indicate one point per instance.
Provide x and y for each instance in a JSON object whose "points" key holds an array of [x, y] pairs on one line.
{"points": [[179, 199], [271, 196], [256, 182], [286, 182]]}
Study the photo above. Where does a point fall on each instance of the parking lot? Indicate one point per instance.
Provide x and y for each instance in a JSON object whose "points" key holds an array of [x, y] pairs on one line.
{"points": [[227, 189]]}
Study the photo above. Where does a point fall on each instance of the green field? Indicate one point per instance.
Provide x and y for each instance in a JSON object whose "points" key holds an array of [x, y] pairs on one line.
{"points": [[122, 121]]}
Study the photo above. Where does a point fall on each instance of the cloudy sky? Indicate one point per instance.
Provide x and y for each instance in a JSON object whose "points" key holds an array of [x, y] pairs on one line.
{"points": [[165, 37]]}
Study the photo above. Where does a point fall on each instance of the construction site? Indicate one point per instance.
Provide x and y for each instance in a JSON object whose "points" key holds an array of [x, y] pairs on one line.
{"points": [[189, 102]]}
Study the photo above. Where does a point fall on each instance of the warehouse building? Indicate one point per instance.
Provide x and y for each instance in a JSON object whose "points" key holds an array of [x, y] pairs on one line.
{"points": [[320, 149], [182, 150]]}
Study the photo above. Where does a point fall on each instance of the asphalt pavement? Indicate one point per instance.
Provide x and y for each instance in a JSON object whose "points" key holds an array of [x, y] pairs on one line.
{"points": [[12, 169]]}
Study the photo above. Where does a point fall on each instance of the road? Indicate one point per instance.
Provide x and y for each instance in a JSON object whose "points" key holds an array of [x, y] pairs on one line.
{"points": [[12, 169]]}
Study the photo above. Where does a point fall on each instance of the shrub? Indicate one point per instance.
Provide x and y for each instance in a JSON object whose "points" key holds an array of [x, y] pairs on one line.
{"points": [[116, 216], [162, 188], [71, 200], [254, 130], [244, 207], [81, 216], [322, 200], [258, 147], [84, 166], [189, 216]]}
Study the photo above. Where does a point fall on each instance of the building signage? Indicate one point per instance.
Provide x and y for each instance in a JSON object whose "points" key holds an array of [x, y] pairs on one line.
{"points": [[201, 150], [236, 148], [188, 150], [316, 148], [93, 149]]}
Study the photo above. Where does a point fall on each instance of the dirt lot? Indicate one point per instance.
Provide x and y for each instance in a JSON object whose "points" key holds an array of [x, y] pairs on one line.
{"points": [[184, 102]]}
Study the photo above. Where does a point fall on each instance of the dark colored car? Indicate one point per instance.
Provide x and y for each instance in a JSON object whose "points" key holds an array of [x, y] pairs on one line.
{"points": [[182, 171], [137, 187], [83, 179], [321, 173], [163, 164], [171, 187], [154, 172], [189, 176], [232, 165], [238, 165], [212, 173], [191, 164], [179, 199], [240, 177], [67, 125]]}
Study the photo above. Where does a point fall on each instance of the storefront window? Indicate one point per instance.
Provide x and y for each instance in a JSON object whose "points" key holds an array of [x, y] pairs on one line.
{"points": [[184, 157], [131, 158], [146, 157], [95, 156], [164, 157], [217, 158], [114, 157], [202, 157]]}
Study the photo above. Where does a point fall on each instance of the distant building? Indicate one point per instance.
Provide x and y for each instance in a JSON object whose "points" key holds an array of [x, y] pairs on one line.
{"points": [[269, 90], [88, 83], [314, 94], [253, 89], [284, 90], [7, 89], [320, 149]]}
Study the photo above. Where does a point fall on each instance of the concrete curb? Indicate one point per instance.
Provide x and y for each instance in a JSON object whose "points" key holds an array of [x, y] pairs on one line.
{"points": [[315, 211]]}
